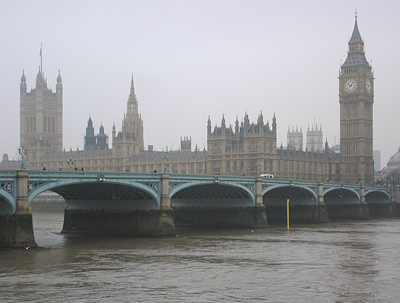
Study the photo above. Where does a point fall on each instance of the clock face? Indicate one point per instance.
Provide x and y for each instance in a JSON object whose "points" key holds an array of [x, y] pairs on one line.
{"points": [[368, 86], [350, 86]]}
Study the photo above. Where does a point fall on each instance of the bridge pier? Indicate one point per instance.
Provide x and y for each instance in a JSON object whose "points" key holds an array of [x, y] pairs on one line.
{"points": [[16, 230], [348, 212], [166, 220], [321, 211], [260, 209], [383, 210], [117, 222], [395, 199], [298, 213]]}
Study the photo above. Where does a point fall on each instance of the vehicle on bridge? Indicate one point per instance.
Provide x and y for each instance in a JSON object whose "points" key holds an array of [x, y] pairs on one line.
{"points": [[266, 176]]}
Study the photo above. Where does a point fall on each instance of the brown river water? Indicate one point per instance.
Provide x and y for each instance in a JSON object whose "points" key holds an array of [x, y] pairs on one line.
{"points": [[332, 262]]}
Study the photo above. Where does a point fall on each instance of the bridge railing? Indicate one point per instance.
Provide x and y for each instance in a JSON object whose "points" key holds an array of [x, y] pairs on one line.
{"points": [[89, 174], [222, 178], [356, 186], [290, 182], [8, 173], [227, 178]]}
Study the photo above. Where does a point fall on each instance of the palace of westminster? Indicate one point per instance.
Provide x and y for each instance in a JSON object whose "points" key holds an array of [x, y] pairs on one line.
{"points": [[247, 148]]}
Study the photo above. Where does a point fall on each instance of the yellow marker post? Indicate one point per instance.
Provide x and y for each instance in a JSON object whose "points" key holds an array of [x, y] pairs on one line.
{"points": [[287, 213]]}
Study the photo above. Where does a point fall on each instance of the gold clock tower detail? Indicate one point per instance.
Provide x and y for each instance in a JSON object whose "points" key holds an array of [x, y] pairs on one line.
{"points": [[356, 98]]}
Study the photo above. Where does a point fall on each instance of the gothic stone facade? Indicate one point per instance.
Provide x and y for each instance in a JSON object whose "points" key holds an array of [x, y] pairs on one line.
{"points": [[251, 149], [41, 118], [248, 148]]}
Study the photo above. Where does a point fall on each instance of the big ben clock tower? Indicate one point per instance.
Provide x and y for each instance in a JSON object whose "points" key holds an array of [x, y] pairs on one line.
{"points": [[356, 98]]}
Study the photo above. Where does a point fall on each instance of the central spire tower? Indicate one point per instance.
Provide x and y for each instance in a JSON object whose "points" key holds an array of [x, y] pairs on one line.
{"points": [[129, 141]]}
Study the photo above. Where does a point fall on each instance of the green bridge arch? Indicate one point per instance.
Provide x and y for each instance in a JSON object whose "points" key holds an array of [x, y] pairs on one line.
{"points": [[211, 193], [63, 188], [376, 196], [7, 200], [298, 194], [341, 195]]}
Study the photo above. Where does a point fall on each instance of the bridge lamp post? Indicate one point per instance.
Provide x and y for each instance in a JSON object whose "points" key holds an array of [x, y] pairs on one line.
{"points": [[258, 168], [70, 163], [101, 178], [22, 151], [320, 174], [165, 159]]}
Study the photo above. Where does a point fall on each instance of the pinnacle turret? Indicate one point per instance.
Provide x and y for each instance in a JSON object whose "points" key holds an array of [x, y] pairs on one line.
{"points": [[59, 79], [59, 86], [356, 37], [40, 80], [23, 82], [90, 122], [132, 87], [132, 104], [23, 78]]}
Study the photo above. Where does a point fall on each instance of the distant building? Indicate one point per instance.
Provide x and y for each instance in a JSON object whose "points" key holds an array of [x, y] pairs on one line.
{"points": [[315, 138], [394, 161], [295, 138], [93, 142], [6, 163], [389, 175], [336, 148]]}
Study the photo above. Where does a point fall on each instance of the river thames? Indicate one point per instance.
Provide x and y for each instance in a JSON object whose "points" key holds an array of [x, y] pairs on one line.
{"points": [[332, 262]]}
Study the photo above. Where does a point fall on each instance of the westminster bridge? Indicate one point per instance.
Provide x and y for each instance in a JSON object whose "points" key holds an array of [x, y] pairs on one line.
{"points": [[153, 204]]}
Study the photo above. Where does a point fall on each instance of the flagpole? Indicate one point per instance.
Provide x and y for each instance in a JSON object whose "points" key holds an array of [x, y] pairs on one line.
{"points": [[41, 63]]}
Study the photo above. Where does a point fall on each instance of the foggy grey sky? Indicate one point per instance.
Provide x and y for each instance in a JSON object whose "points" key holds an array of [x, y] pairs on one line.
{"points": [[194, 59]]}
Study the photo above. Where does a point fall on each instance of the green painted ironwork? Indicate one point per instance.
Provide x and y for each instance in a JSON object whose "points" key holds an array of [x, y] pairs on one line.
{"points": [[123, 187]]}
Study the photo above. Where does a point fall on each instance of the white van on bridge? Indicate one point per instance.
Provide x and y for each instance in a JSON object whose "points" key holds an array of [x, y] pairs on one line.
{"points": [[266, 176]]}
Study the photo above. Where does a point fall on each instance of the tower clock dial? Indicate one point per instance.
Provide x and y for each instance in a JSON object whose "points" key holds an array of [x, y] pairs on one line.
{"points": [[350, 86], [368, 86]]}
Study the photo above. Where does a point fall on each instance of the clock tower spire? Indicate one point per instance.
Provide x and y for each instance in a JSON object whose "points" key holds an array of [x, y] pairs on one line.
{"points": [[356, 113]]}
